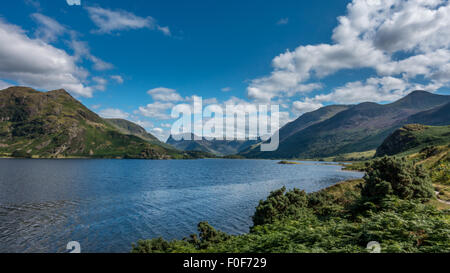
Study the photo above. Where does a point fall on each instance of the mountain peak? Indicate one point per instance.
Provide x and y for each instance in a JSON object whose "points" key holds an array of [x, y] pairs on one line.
{"points": [[19, 89], [59, 91], [420, 99]]}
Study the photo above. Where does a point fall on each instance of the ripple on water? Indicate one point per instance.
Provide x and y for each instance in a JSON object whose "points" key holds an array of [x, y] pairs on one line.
{"points": [[108, 204]]}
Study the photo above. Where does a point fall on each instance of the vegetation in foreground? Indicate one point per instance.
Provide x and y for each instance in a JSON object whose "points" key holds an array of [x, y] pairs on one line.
{"points": [[391, 205]]}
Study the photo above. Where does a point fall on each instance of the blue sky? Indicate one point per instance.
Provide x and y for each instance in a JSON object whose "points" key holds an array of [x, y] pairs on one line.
{"points": [[136, 59]]}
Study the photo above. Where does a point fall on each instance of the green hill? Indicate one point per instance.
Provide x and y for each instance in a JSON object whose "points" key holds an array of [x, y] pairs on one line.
{"points": [[130, 128], [358, 128], [55, 125], [414, 138]]}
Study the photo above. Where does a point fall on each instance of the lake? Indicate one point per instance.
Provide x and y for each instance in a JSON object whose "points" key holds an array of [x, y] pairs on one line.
{"points": [[106, 205]]}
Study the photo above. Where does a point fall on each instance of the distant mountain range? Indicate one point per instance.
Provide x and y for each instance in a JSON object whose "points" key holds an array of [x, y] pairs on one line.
{"points": [[187, 142], [55, 125], [336, 130]]}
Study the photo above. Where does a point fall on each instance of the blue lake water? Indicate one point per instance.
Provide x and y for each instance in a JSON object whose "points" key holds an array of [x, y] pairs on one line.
{"points": [[106, 205]]}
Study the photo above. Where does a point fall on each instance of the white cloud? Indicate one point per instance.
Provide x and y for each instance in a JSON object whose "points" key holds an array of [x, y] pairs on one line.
{"points": [[165, 30], [164, 94], [82, 51], [166, 125], [157, 110], [109, 21], [160, 133], [117, 78], [73, 2], [38, 64], [34, 3], [4, 85], [283, 21], [373, 89], [396, 38], [49, 30], [301, 107], [96, 106], [143, 123], [205, 101], [113, 113], [226, 89], [100, 83]]}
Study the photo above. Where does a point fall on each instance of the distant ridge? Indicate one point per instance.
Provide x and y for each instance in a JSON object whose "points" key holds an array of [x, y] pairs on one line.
{"points": [[357, 128], [187, 142]]}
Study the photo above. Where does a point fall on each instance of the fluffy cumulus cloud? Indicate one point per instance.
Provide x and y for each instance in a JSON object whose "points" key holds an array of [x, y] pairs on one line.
{"points": [[156, 110], [401, 41], [305, 106], [36, 63], [113, 113], [164, 94], [109, 21]]}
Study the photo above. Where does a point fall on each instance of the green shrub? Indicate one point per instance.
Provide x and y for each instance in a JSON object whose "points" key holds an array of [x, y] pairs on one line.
{"points": [[207, 236], [399, 177], [278, 205]]}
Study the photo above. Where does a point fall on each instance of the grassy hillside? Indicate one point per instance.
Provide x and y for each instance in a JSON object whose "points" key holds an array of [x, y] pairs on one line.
{"points": [[130, 128], [359, 128], [55, 125], [413, 138]]}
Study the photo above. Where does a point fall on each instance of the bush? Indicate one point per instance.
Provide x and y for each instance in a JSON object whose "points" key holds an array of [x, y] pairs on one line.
{"points": [[280, 204], [208, 235], [393, 176]]}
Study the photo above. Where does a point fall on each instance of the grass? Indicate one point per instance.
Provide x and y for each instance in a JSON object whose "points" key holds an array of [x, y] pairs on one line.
{"points": [[356, 156], [339, 190]]}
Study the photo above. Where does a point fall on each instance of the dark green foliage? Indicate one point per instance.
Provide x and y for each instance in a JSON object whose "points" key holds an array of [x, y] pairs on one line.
{"points": [[158, 245], [31, 128], [399, 177], [399, 226], [279, 205], [207, 236]]}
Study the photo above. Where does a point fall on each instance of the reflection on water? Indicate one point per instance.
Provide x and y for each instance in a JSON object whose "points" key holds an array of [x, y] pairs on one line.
{"points": [[108, 204]]}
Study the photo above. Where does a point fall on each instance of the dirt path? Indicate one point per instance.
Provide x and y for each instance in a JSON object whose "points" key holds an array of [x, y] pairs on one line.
{"points": [[440, 200]]}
